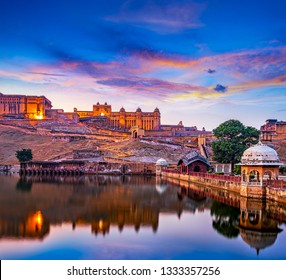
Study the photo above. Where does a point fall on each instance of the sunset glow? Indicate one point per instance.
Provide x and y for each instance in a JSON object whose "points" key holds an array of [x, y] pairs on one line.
{"points": [[209, 61]]}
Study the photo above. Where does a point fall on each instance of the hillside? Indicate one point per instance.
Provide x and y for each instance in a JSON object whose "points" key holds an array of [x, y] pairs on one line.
{"points": [[13, 139], [43, 148]]}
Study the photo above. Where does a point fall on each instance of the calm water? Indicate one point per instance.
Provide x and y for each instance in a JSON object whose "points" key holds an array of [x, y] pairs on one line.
{"points": [[132, 218]]}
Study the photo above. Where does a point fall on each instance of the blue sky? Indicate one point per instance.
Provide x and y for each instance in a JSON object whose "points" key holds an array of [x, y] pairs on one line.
{"points": [[202, 62]]}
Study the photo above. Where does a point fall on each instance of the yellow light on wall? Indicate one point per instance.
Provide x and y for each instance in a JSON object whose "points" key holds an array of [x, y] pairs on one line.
{"points": [[39, 117]]}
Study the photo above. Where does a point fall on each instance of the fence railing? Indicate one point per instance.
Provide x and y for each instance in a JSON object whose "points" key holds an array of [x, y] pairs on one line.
{"points": [[281, 184], [237, 179], [227, 178]]}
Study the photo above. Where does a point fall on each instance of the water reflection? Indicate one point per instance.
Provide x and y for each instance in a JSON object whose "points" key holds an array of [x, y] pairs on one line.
{"points": [[103, 202], [24, 184], [225, 219], [256, 227]]}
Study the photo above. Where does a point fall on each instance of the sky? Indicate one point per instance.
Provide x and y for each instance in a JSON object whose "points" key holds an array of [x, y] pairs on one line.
{"points": [[199, 62]]}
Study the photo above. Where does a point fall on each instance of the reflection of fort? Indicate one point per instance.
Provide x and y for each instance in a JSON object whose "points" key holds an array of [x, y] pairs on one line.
{"points": [[100, 202], [106, 202], [33, 227]]}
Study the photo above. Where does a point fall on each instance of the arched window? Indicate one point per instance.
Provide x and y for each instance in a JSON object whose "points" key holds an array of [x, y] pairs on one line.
{"points": [[253, 218], [254, 176]]}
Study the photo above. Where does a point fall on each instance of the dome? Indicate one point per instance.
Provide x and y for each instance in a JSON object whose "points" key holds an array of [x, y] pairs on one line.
{"points": [[138, 109], [260, 154], [156, 110], [258, 240], [161, 162], [122, 109], [161, 188]]}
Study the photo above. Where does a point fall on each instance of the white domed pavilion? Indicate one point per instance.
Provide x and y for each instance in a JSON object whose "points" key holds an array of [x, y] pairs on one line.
{"points": [[260, 154], [257, 163], [161, 164]]}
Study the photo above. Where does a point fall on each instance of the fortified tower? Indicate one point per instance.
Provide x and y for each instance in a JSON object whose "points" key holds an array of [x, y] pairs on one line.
{"points": [[101, 110]]}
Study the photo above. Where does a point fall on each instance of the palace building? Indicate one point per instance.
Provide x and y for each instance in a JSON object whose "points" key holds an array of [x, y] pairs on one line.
{"points": [[122, 119], [31, 107], [273, 130]]}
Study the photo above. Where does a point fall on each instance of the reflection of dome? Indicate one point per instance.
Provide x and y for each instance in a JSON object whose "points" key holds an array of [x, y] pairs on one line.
{"points": [[260, 154], [161, 188], [161, 162], [258, 240]]}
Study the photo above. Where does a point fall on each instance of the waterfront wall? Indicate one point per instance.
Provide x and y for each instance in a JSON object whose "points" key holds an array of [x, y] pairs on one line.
{"points": [[79, 167], [230, 184], [216, 181], [9, 168]]}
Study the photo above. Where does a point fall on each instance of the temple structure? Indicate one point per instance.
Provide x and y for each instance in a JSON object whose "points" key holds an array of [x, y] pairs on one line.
{"points": [[193, 162], [259, 164], [122, 119]]}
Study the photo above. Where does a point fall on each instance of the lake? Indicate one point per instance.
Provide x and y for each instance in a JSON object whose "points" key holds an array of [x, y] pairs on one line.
{"points": [[132, 217]]}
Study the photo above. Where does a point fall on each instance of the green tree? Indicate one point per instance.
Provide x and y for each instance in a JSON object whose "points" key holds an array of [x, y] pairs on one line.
{"points": [[282, 169], [24, 155], [232, 139]]}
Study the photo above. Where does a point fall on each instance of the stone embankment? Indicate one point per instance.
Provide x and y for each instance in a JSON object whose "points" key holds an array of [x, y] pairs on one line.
{"points": [[275, 190]]}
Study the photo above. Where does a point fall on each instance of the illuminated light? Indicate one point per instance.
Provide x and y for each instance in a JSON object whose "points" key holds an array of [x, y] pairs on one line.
{"points": [[38, 220], [39, 117], [100, 224], [102, 114]]}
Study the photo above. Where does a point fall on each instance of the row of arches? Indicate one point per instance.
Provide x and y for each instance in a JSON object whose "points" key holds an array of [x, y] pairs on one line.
{"points": [[256, 176]]}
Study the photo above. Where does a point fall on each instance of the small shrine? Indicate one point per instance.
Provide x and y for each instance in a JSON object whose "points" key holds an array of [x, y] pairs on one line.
{"points": [[161, 164], [193, 162], [259, 165]]}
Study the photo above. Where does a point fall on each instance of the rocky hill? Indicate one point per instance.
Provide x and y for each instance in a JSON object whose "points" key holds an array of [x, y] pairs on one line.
{"points": [[43, 148]]}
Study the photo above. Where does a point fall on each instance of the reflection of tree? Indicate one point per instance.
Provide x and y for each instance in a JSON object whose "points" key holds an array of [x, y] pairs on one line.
{"points": [[24, 185], [226, 219]]}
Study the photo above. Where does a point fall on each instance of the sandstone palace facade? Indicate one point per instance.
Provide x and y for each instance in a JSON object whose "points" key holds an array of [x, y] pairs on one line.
{"points": [[123, 119], [39, 107], [31, 107], [273, 130]]}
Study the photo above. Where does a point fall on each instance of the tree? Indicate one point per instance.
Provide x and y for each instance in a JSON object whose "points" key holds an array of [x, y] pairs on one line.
{"points": [[233, 138], [24, 155]]}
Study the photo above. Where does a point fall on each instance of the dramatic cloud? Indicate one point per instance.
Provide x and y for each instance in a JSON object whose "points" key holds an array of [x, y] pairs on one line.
{"points": [[211, 71], [220, 88], [47, 74], [154, 86], [172, 17]]}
